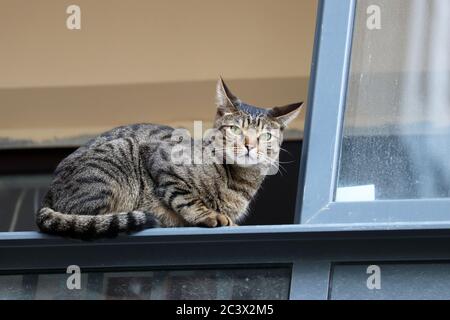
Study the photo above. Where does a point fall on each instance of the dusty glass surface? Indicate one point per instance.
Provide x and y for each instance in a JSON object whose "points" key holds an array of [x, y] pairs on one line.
{"points": [[20, 198], [248, 283], [396, 134]]}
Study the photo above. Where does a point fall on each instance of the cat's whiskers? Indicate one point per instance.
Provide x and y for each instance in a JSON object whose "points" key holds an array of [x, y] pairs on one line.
{"points": [[272, 162], [286, 150]]}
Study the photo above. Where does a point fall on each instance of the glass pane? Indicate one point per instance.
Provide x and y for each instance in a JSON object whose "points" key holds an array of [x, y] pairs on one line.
{"points": [[20, 198], [396, 134], [399, 281], [246, 284]]}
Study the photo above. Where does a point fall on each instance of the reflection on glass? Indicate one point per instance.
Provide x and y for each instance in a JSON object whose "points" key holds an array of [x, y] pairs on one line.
{"points": [[246, 284], [396, 135], [20, 198]]}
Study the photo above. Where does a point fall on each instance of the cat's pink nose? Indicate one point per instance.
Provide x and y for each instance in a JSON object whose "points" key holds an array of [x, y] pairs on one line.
{"points": [[250, 142]]}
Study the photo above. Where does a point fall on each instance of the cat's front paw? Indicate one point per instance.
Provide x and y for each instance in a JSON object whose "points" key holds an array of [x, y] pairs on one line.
{"points": [[216, 220]]}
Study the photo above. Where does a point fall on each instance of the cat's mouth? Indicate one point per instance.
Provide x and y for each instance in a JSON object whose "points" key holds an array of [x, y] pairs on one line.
{"points": [[250, 160], [249, 157], [244, 157]]}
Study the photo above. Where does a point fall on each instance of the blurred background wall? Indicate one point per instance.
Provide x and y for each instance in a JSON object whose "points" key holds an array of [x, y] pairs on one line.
{"points": [[145, 61]]}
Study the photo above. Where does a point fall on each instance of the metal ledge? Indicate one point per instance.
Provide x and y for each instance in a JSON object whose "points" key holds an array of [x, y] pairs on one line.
{"points": [[23, 252], [244, 234]]}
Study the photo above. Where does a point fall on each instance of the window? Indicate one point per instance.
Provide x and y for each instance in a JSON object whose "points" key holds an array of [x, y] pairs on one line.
{"points": [[401, 281], [249, 283], [396, 134], [380, 135]]}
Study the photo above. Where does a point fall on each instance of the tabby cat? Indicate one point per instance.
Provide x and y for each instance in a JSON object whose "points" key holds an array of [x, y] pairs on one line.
{"points": [[125, 180]]}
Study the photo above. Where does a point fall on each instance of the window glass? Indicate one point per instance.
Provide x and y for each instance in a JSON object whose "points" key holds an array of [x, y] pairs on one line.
{"points": [[396, 133], [251, 283], [20, 198], [398, 281]]}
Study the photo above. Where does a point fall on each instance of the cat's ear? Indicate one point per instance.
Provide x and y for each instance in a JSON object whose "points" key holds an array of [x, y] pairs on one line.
{"points": [[286, 114], [225, 100]]}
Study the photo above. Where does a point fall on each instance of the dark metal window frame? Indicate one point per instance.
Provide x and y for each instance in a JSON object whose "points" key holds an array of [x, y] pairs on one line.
{"points": [[310, 248]]}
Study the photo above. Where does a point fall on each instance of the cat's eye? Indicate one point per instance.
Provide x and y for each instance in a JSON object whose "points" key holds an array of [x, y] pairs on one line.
{"points": [[236, 130], [265, 136]]}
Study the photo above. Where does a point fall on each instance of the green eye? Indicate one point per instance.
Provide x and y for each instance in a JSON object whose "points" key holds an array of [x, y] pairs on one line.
{"points": [[236, 130], [266, 136]]}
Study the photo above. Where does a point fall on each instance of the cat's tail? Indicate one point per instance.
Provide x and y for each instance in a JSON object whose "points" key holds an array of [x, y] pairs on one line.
{"points": [[88, 227]]}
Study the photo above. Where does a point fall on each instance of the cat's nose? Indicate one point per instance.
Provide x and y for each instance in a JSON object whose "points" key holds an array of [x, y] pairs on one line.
{"points": [[249, 147], [249, 143]]}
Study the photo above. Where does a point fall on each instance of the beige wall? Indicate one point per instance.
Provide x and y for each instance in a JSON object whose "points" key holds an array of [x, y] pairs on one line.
{"points": [[152, 61]]}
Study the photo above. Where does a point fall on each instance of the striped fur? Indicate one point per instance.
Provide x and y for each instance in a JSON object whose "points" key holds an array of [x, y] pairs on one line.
{"points": [[125, 180]]}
